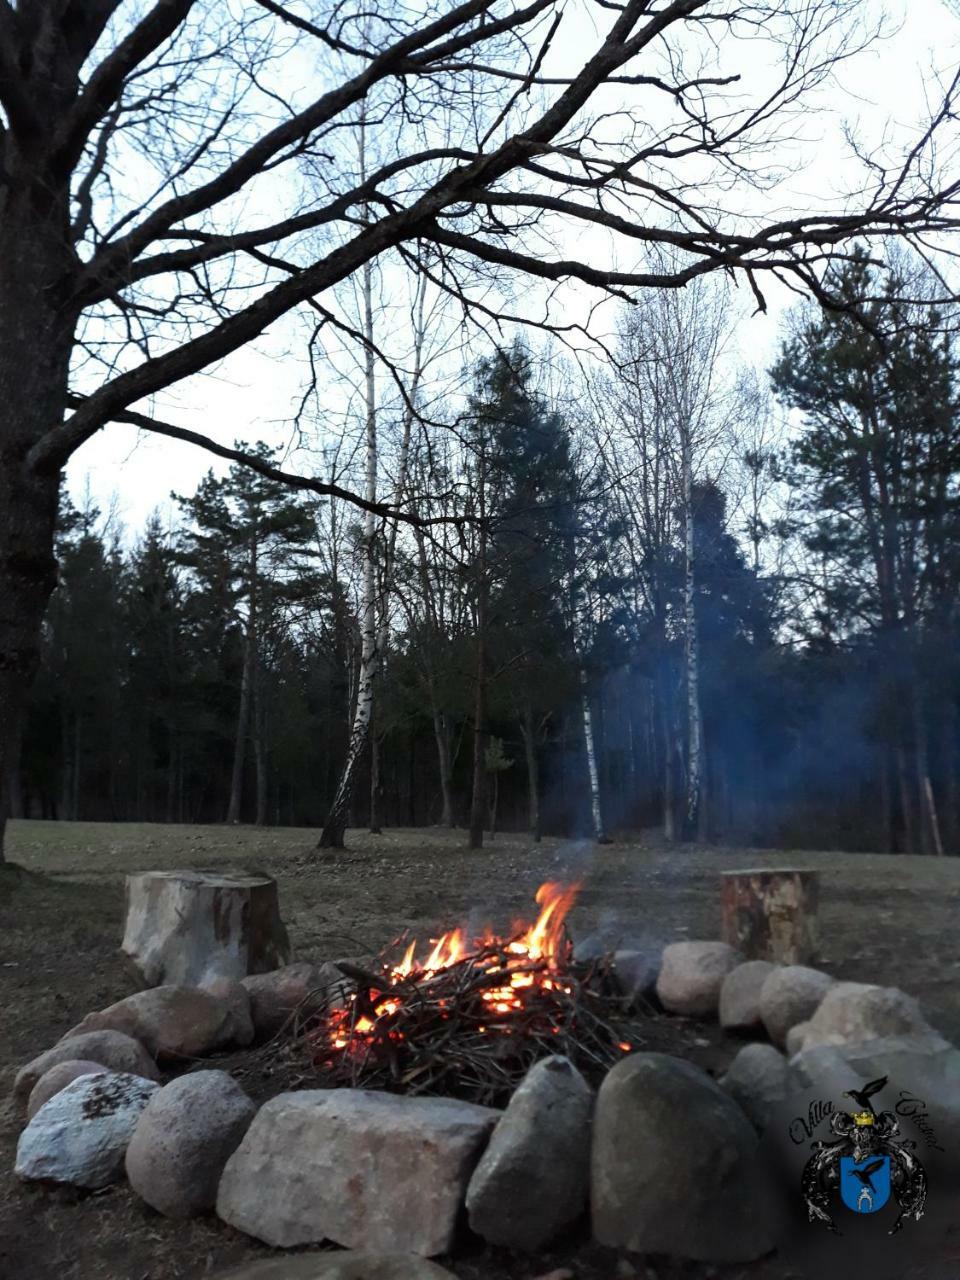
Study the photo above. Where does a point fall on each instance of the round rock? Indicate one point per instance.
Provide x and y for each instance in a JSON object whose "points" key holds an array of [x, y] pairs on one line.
{"points": [[57, 1078], [854, 1012], [185, 1135], [173, 1022], [275, 996], [759, 1080], [691, 975], [112, 1049], [80, 1136], [533, 1178], [740, 996], [791, 995], [675, 1166]]}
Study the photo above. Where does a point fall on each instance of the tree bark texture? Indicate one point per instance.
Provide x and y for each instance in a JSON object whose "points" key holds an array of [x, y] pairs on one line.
{"points": [[333, 829], [36, 334], [596, 812], [190, 927], [771, 914]]}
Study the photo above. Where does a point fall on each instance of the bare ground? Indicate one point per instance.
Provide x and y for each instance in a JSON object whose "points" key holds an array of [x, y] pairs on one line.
{"points": [[885, 919]]}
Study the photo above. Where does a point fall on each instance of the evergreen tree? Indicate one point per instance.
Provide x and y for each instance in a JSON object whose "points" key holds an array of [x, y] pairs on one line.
{"points": [[878, 463], [248, 543]]}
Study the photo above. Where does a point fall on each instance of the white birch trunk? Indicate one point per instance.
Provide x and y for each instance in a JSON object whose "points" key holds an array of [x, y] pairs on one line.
{"points": [[595, 811], [335, 825]]}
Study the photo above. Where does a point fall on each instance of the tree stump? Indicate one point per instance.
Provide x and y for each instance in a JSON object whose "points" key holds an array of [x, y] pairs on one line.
{"points": [[189, 927], [771, 913]]}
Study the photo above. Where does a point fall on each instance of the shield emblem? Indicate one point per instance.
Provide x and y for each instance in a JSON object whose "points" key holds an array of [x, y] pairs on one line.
{"points": [[865, 1184]]}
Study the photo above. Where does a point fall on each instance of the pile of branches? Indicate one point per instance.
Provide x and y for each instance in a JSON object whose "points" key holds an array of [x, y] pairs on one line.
{"points": [[443, 1038]]}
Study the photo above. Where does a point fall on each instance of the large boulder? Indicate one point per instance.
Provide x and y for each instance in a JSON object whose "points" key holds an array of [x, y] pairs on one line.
{"points": [[112, 1049], [187, 927], [675, 1166], [184, 1137], [534, 1176], [360, 1168], [853, 1012], [57, 1078], [795, 1037], [790, 995], [740, 996], [275, 996], [691, 975], [80, 1136], [340, 1266], [759, 1080], [172, 1022], [237, 999], [923, 1073]]}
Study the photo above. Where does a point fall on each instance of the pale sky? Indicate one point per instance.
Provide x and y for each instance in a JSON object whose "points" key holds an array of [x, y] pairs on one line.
{"points": [[252, 394]]}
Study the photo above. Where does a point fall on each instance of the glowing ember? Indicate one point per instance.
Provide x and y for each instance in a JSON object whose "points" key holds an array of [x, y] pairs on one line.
{"points": [[521, 964]]}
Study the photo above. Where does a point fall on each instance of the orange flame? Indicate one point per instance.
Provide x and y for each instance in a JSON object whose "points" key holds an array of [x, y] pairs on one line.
{"points": [[542, 944]]}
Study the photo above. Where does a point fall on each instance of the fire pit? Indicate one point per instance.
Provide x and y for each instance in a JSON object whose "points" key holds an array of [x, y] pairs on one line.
{"points": [[470, 1018]]}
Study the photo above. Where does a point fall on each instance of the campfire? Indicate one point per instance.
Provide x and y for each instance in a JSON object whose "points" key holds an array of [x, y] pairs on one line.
{"points": [[469, 1019]]}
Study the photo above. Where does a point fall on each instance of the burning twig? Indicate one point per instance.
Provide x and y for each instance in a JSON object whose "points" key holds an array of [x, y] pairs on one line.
{"points": [[470, 1025]]}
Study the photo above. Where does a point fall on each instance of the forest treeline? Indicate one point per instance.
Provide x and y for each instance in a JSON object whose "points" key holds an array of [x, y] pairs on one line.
{"points": [[635, 605]]}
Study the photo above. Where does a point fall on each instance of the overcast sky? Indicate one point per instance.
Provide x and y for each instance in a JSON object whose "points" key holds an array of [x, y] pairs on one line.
{"points": [[252, 394]]}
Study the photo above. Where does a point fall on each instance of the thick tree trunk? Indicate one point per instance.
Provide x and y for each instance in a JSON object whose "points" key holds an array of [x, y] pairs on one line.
{"points": [[191, 927], [771, 914]]}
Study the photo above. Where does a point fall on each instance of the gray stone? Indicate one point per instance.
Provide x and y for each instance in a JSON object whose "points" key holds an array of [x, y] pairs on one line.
{"points": [[172, 1022], [853, 1012], [795, 1038], [340, 1266], [675, 1166], [759, 1080], [691, 975], [57, 1078], [740, 995], [636, 973], [275, 996], [357, 1167], [923, 1073], [80, 1136], [112, 1049], [184, 1137], [790, 995], [534, 1176]]}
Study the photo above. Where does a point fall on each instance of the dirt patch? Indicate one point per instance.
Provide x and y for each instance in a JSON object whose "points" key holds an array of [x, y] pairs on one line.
{"points": [[884, 919]]}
